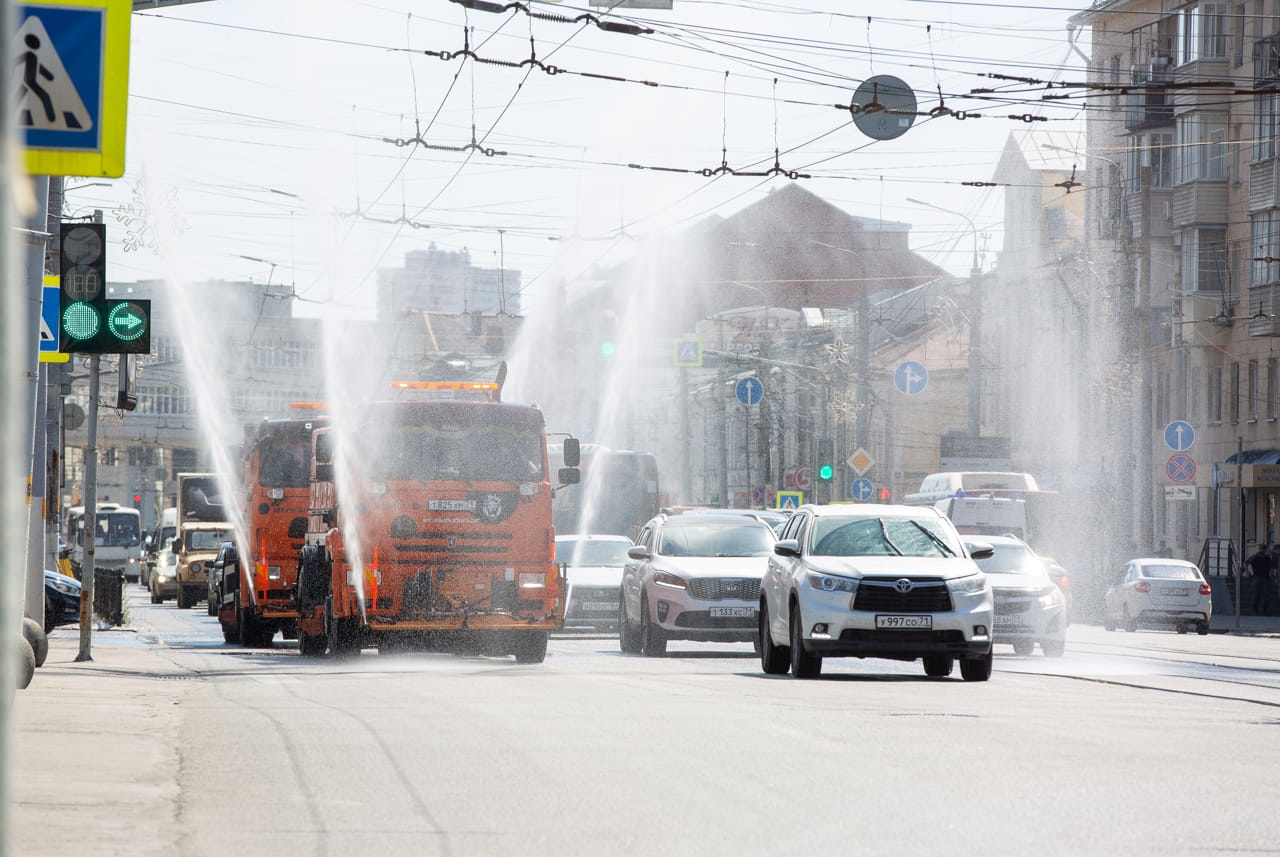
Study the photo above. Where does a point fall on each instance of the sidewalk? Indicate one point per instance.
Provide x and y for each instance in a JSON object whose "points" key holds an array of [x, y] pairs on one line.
{"points": [[97, 752], [1224, 612]]}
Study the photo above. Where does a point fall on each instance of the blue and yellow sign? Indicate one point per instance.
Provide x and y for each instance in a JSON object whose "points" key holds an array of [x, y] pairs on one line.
{"points": [[71, 77]]}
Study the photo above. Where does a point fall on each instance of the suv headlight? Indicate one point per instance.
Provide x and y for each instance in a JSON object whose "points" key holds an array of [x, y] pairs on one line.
{"points": [[66, 588], [831, 583], [1050, 597], [971, 585], [662, 578]]}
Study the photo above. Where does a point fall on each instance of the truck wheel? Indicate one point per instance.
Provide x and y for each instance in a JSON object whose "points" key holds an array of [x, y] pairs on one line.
{"points": [[341, 632], [248, 628], [181, 598], [530, 646], [311, 646]]}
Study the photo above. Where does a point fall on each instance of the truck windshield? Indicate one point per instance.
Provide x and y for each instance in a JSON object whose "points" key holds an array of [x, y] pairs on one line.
{"points": [[429, 453], [206, 540]]}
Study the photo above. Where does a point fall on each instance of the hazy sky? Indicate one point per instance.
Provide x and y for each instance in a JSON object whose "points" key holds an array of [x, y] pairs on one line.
{"points": [[269, 130]]}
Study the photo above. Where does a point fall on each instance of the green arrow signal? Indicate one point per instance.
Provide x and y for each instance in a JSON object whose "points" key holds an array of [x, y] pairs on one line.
{"points": [[125, 323]]}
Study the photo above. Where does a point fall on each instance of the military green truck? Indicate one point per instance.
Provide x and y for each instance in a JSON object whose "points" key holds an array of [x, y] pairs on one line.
{"points": [[202, 528]]}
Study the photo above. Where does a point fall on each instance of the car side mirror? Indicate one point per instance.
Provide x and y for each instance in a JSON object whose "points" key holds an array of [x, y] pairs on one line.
{"points": [[638, 552], [980, 550], [787, 547]]}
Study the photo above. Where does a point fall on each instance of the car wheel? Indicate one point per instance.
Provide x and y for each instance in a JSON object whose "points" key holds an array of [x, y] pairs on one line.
{"points": [[1182, 627], [1024, 648], [1107, 624], [1053, 648], [653, 642], [774, 660], [628, 636], [803, 664], [1130, 624], [213, 605], [1202, 628], [50, 615], [976, 669], [938, 666]]}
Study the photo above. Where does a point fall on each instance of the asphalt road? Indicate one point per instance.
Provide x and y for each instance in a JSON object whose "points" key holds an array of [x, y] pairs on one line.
{"points": [[173, 743]]}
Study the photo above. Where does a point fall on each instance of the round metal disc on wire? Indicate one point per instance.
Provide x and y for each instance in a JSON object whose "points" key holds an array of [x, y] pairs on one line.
{"points": [[883, 107]]}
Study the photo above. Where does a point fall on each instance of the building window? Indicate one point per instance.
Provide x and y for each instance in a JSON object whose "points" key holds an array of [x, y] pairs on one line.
{"points": [[1234, 404], [1214, 390], [1201, 142], [1266, 110], [1251, 399], [1264, 229], [163, 400], [1273, 364], [1204, 260], [1202, 32], [1153, 150]]}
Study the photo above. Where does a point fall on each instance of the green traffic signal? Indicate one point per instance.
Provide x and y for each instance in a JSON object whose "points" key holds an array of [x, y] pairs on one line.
{"points": [[88, 321], [606, 348], [825, 472]]}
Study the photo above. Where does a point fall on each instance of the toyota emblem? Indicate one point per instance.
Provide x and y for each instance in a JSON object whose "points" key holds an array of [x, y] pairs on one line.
{"points": [[903, 585]]}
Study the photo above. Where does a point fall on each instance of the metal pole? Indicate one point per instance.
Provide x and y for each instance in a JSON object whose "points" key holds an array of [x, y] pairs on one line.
{"points": [[1243, 527], [686, 439], [12, 449], [90, 511]]}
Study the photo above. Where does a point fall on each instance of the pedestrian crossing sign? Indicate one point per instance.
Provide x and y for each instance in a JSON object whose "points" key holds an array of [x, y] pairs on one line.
{"points": [[790, 499], [688, 353], [70, 79]]}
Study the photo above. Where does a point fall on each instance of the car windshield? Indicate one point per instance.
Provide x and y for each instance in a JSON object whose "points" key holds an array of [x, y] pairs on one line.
{"points": [[716, 539], [1011, 559], [882, 536], [1171, 572], [206, 540], [592, 552]]}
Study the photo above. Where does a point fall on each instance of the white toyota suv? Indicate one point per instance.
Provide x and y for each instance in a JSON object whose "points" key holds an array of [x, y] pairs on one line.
{"points": [[874, 581]]}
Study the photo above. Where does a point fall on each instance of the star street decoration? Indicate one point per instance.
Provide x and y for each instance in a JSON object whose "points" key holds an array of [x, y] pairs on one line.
{"points": [[837, 352]]}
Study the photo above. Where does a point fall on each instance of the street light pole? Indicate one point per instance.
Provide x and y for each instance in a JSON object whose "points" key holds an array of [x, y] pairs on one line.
{"points": [[975, 325]]}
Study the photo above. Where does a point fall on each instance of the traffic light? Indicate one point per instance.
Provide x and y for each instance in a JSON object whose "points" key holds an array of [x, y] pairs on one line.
{"points": [[606, 348], [88, 323], [826, 452], [885, 495]]}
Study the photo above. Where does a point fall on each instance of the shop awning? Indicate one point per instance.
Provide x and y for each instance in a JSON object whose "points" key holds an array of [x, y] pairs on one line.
{"points": [[1257, 456]]}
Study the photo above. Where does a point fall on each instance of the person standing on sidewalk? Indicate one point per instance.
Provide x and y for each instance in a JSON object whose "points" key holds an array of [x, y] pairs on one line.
{"points": [[1261, 564]]}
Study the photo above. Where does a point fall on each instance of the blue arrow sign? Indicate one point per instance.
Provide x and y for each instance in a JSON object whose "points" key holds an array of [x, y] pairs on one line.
{"points": [[862, 490], [749, 391], [1179, 435], [910, 377]]}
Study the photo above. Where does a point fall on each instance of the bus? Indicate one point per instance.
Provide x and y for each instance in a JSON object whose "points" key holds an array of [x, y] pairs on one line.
{"points": [[258, 597], [117, 542], [617, 495]]}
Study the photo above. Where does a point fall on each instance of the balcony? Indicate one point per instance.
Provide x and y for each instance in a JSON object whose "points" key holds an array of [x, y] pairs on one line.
{"points": [[1266, 61], [1148, 104]]}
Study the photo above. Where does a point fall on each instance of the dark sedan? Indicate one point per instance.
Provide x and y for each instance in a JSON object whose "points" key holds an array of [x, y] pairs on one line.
{"points": [[61, 600]]}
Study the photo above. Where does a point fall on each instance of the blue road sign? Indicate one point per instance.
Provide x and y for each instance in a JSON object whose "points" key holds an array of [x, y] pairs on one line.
{"points": [[1181, 467], [862, 490], [910, 377], [749, 391], [1179, 435]]}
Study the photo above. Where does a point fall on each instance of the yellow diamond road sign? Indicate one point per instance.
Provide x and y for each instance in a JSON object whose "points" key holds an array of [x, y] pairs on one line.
{"points": [[70, 79], [860, 461]]}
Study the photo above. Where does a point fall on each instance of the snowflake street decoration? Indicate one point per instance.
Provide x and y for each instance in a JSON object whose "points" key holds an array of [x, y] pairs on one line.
{"points": [[141, 231]]}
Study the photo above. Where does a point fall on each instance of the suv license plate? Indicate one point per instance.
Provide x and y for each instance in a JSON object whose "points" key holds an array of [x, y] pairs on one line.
{"points": [[732, 612], [903, 623]]}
